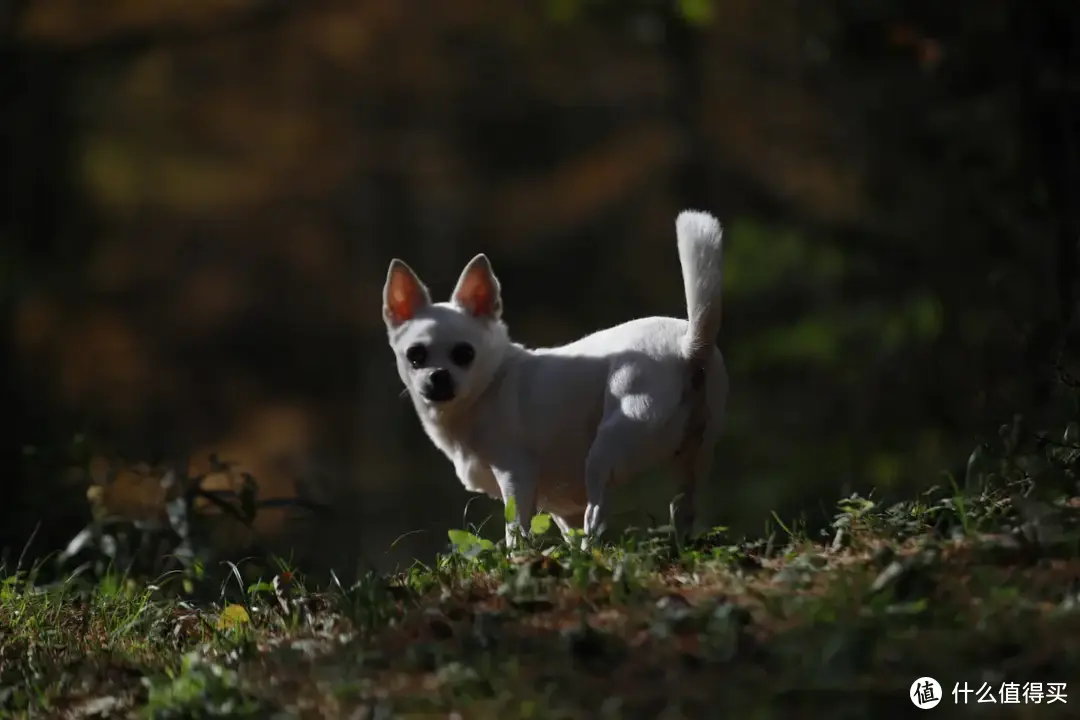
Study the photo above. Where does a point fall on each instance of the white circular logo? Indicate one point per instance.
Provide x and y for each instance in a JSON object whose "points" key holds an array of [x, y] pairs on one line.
{"points": [[925, 693]]}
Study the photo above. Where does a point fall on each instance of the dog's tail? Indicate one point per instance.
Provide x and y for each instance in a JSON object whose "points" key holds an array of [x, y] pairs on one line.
{"points": [[700, 254]]}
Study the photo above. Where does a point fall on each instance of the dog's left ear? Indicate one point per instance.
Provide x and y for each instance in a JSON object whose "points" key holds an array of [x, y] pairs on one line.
{"points": [[478, 291]]}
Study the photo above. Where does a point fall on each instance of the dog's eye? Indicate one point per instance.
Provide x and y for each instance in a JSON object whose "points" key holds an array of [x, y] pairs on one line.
{"points": [[416, 355], [462, 354]]}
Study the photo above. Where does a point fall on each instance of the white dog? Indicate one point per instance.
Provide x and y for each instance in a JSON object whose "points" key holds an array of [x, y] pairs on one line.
{"points": [[553, 429]]}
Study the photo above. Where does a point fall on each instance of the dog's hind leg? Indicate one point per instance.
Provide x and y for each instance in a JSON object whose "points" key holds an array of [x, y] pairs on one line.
{"points": [[695, 455], [599, 467], [637, 431], [619, 450], [692, 468]]}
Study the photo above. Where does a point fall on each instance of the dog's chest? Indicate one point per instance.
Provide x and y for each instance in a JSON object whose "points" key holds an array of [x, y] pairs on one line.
{"points": [[476, 476], [473, 473]]}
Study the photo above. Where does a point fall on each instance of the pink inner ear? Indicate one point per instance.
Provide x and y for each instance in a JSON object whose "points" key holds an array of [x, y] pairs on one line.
{"points": [[400, 307], [404, 298], [476, 295]]}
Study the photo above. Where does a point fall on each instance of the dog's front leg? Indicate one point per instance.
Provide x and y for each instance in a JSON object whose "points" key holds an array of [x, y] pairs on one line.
{"points": [[518, 486], [572, 528]]}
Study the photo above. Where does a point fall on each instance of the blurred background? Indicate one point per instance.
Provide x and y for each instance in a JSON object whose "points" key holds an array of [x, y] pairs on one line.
{"points": [[200, 201]]}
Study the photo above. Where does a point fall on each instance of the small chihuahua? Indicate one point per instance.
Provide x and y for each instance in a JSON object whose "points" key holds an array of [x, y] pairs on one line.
{"points": [[553, 429]]}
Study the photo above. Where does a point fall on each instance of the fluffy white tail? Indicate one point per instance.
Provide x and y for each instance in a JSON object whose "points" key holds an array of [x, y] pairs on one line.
{"points": [[700, 253]]}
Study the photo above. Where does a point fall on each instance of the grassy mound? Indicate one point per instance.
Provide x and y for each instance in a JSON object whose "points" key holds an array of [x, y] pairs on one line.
{"points": [[977, 591]]}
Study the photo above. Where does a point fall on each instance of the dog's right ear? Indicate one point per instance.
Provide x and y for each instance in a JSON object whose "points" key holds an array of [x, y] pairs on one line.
{"points": [[403, 294]]}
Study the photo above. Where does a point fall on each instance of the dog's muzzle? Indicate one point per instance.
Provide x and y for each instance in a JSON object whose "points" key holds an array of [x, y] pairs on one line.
{"points": [[439, 386]]}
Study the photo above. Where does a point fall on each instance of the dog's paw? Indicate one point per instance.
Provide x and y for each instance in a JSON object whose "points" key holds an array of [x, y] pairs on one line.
{"points": [[515, 536]]}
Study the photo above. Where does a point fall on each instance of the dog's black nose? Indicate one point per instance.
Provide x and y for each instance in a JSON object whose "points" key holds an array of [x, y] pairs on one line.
{"points": [[439, 386]]}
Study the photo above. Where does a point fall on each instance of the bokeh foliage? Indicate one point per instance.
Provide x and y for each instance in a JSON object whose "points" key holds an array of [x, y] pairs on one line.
{"points": [[202, 202]]}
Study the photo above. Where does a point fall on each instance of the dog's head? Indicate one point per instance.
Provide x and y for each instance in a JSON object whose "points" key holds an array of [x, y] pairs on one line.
{"points": [[446, 352]]}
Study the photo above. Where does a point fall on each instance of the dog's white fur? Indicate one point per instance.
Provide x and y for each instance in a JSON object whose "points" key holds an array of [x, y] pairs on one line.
{"points": [[555, 428]]}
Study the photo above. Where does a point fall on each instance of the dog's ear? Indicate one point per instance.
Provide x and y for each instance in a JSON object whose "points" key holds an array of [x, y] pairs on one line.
{"points": [[478, 291], [403, 294]]}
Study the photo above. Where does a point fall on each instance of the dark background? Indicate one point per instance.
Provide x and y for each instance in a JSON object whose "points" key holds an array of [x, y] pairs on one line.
{"points": [[200, 201]]}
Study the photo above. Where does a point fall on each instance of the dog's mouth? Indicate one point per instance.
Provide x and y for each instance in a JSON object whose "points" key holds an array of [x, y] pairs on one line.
{"points": [[436, 399]]}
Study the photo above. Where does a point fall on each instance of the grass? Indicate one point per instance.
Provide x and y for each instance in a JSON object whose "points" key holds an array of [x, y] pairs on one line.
{"points": [[977, 589]]}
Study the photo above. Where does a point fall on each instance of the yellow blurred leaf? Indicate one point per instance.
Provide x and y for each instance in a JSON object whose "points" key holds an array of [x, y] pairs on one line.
{"points": [[696, 12], [233, 616]]}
